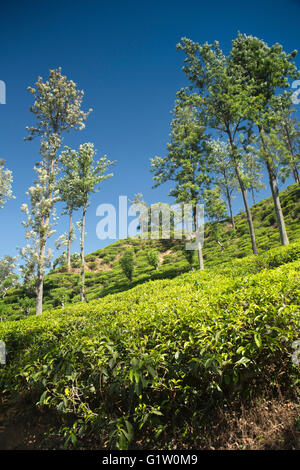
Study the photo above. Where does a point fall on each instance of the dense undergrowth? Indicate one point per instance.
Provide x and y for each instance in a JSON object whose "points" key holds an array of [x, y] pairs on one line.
{"points": [[135, 369]]}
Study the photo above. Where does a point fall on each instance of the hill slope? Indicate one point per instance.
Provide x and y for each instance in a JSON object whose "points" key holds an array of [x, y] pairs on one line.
{"points": [[149, 367], [104, 274]]}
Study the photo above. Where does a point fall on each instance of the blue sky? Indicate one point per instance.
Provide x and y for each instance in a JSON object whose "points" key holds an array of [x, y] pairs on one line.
{"points": [[123, 55]]}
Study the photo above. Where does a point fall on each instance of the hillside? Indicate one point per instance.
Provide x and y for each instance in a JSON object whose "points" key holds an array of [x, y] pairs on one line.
{"points": [[181, 359], [200, 361], [104, 275]]}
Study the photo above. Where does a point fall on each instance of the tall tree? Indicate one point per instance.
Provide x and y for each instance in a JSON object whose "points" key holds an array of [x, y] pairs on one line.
{"points": [[252, 174], [265, 70], [40, 222], [57, 109], [68, 194], [288, 131], [224, 171], [84, 176], [251, 166], [271, 160], [219, 93], [186, 163], [215, 210], [6, 180]]}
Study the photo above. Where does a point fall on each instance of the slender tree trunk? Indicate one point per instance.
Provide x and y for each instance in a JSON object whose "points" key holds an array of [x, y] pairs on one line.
{"points": [[275, 192], [296, 174], [40, 278], [82, 293], [248, 211], [198, 240], [278, 210], [244, 194], [69, 243], [221, 245], [230, 208], [41, 266]]}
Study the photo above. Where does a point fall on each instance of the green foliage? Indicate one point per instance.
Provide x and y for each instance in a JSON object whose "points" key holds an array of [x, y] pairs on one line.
{"points": [[93, 265], [187, 163], [169, 259], [152, 257], [127, 263], [134, 364], [57, 105], [215, 210], [189, 255], [75, 260], [288, 130], [8, 277], [237, 95], [57, 109], [83, 175], [60, 260], [271, 259], [108, 277]]}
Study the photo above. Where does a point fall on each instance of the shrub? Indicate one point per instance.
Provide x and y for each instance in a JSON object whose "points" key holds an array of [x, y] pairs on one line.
{"points": [[278, 256], [75, 260], [140, 361], [152, 257], [127, 263], [93, 266], [189, 256], [169, 259], [271, 259]]}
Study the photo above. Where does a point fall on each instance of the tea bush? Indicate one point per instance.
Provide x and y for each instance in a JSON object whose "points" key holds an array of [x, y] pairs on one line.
{"points": [[136, 363], [270, 259]]}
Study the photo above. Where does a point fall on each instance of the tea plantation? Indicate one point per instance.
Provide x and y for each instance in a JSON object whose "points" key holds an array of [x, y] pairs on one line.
{"points": [[104, 275], [147, 368]]}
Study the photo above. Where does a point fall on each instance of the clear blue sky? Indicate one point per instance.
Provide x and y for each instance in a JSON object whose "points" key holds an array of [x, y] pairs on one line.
{"points": [[123, 55]]}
